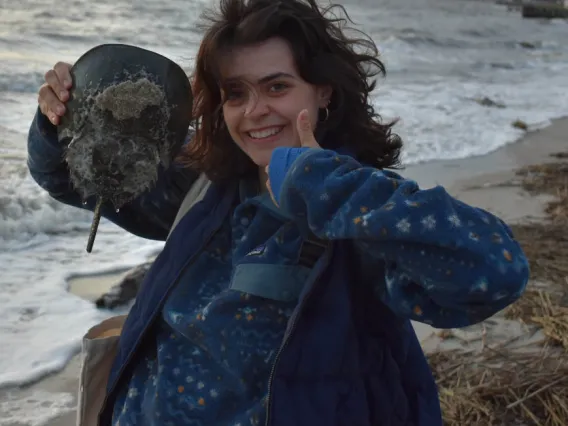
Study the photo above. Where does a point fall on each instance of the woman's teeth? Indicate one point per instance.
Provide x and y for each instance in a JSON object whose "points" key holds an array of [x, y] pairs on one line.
{"points": [[261, 134]]}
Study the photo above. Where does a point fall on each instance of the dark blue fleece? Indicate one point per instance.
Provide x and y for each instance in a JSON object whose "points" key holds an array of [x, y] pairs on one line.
{"points": [[281, 161], [448, 264], [211, 357]]}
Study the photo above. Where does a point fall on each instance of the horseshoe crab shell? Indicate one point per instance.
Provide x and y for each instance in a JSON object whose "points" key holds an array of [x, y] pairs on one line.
{"points": [[128, 116]]}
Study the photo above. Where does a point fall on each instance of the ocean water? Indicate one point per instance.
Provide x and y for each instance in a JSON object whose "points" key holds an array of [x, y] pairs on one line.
{"points": [[440, 54]]}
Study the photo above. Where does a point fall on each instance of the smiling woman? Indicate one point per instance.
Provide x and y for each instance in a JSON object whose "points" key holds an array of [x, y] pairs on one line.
{"points": [[297, 311], [263, 94], [253, 76]]}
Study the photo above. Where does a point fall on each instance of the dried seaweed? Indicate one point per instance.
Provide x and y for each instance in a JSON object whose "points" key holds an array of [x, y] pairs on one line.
{"points": [[500, 386]]}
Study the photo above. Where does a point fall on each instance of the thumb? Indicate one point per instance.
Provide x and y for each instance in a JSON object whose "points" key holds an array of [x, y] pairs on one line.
{"points": [[307, 138]]}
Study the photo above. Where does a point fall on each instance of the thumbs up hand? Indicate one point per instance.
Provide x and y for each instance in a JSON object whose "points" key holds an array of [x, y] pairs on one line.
{"points": [[285, 156], [304, 127]]}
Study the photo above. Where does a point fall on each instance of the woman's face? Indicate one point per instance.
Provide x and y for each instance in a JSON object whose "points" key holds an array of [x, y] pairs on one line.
{"points": [[263, 94]]}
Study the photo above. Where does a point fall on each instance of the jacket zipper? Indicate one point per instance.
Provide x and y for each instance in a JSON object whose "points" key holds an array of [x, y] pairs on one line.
{"points": [[284, 344]]}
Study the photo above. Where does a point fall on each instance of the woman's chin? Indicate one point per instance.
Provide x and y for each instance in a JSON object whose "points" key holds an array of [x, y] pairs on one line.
{"points": [[261, 160]]}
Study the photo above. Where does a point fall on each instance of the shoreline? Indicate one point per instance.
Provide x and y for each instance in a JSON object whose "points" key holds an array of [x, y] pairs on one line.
{"points": [[487, 181], [505, 159]]}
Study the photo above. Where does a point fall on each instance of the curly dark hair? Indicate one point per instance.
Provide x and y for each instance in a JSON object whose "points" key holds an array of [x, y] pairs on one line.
{"points": [[324, 56]]}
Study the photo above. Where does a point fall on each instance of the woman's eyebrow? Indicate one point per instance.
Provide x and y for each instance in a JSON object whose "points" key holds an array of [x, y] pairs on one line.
{"points": [[261, 80]]}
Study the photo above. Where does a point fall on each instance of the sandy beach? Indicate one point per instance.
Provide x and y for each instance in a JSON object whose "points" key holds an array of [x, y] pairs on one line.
{"points": [[92, 286], [489, 182]]}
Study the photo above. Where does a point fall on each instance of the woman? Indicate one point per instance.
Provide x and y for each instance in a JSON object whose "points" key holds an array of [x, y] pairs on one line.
{"points": [[284, 296]]}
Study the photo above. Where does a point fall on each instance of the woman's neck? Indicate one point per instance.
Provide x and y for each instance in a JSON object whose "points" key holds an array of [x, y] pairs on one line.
{"points": [[262, 178]]}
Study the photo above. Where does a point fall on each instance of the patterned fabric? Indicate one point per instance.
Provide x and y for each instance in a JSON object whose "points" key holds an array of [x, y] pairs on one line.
{"points": [[448, 264], [214, 346]]}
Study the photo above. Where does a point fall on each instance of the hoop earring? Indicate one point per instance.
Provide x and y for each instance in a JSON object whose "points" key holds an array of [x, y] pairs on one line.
{"points": [[326, 109]]}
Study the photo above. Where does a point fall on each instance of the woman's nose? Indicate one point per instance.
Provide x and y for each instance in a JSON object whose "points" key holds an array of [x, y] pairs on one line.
{"points": [[256, 105]]}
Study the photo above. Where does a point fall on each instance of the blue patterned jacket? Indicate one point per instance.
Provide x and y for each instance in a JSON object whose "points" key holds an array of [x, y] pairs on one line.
{"points": [[395, 253]]}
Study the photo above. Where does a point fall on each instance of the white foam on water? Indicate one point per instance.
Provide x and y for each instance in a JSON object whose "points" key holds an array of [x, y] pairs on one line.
{"points": [[35, 409], [442, 120], [40, 320], [42, 244]]}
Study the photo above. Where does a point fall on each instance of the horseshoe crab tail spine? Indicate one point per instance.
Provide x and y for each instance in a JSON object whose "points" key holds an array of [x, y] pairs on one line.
{"points": [[95, 224]]}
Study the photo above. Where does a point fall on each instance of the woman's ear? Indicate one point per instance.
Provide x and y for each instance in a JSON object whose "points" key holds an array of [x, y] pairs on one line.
{"points": [[324, 95]]}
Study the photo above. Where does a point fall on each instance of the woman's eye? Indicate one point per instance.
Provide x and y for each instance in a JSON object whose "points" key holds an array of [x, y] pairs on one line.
{"points": [[278, 87], [233, 95]]}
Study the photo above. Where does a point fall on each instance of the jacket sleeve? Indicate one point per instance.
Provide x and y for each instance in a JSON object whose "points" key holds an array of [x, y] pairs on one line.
{"points": [[149, 216], [445, 263]]}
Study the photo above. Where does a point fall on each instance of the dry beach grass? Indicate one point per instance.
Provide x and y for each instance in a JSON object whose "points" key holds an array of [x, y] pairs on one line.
{"points": [[494, 384]]}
